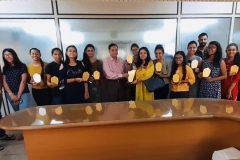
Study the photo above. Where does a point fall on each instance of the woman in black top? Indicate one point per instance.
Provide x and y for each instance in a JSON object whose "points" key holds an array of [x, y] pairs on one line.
{"points": [[52, 70], [70, 76], [15, 80], [92, 65]]}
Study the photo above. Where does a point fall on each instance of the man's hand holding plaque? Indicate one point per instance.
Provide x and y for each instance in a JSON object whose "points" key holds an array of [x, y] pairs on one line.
{"points": [[131, 75]]}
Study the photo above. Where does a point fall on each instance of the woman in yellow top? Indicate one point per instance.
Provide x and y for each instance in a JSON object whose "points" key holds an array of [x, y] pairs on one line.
{"points": [[145, 70], [180, 89], [40, 91]]}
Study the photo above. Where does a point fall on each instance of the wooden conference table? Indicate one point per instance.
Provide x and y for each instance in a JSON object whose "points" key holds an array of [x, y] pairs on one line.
{"points": [[183, 129]]}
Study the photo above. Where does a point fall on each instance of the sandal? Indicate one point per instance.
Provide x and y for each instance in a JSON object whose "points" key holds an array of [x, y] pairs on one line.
{"points": [[1, 147], [8, 137]]}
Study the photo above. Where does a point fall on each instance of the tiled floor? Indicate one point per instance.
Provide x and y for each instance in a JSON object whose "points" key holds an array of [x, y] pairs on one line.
{"points": [[13, 150]]}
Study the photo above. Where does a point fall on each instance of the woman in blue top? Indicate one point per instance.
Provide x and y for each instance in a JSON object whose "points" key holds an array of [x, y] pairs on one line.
{"points": [[15, 80], [70, 76]]}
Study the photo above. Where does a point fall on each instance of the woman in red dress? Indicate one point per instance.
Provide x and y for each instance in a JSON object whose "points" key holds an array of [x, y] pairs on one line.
{"points": [[230, 84]]}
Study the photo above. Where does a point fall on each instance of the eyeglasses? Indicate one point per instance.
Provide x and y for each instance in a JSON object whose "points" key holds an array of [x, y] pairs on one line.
{"points": [[8, 55], [209, 47], [176, 58]]}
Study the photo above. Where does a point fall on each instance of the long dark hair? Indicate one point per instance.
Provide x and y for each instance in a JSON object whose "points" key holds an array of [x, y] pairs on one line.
{"points": [[218, 54], [236, 60], [175, 65], [86, 60], [58, 49], [41, 61], [140, 61], [16, 61], [67, 60]]}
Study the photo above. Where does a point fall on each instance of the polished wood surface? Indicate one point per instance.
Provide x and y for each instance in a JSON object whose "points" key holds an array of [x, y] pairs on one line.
{"points": [[178, 129], [47, 117]]}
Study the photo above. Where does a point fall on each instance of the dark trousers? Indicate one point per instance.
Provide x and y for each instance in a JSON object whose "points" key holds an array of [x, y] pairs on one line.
{"points": [[2, 132], [162, 93], [184, 94], [42, 96], [116, 90], [132, 92], [238, 98]]}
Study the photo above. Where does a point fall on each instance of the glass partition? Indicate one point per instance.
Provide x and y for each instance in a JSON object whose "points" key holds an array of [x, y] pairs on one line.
{"points": [[217, 29], [236, 32], [123, 32], [23, 34]]}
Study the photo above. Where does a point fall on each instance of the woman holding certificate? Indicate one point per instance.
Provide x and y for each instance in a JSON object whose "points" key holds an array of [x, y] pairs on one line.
{"points": [[145, 70], [73, 78], [182, 76], [230, 84], [213, 71]]}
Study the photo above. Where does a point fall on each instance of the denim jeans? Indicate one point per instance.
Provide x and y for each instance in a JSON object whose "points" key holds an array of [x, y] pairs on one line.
{"points": [[57, 100], [25, 102], [2, 132]]}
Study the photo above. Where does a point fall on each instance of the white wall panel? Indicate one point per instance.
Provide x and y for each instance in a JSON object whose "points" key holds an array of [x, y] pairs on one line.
{"points": [[238, 8], [207, 7], [101, 7], [25, 7]]}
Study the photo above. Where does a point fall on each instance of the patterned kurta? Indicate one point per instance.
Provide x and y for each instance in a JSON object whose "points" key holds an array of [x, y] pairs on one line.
{"points": [[211, 89]]}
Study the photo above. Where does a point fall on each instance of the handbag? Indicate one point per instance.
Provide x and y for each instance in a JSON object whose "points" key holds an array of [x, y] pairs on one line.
{"points": [[153, 84]]}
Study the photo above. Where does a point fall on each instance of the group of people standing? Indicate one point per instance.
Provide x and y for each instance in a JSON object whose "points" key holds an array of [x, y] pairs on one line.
{"points": [[222, 82], [113, 85]]}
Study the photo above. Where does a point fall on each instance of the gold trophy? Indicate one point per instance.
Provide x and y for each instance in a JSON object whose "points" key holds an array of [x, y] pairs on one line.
{"points": [[176, 78], [129, 59], [54, 80], [96, 75], [85, 76], [206, 72], [158, 67], [234, 68], [194, 64]]}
